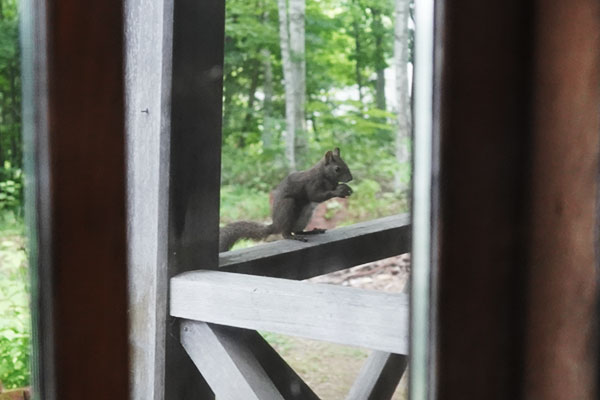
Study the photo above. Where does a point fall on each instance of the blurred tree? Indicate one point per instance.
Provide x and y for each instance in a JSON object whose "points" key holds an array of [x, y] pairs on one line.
{"points": [[292, 44], [288, 76], [403, 112], [379, 55], [297, 15], [11, 152]]}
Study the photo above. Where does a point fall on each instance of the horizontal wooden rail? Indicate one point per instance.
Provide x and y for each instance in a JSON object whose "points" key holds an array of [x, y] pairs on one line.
{"points": [[332, 251], [338, 314]]}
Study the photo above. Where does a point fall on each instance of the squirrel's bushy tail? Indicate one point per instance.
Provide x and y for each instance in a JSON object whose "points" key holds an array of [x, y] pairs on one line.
{"points": [[231, 233]]}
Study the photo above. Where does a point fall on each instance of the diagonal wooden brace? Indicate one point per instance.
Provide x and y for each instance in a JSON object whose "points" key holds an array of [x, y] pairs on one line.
{"points": [[240, 364]]}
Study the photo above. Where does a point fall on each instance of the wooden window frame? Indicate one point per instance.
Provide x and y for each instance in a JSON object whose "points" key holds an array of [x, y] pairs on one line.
{"points": [[74, 134], [514, 173], [531, 72]]}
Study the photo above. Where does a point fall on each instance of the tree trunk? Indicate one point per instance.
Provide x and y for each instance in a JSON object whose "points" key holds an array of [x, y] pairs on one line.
{"points": [[378, 31], [268, 123], [357, 47], [227, 99], [313, 119], [298, 61], [284, 43], [2, 137], [359, 82], [401, 184], [380, 90], [251, 97], [15, 113]]}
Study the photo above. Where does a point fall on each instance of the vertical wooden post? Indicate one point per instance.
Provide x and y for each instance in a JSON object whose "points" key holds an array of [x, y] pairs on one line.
{"points": [[518, 152], [195, 165], [563, 276], [148, 28], [484, 155], [75, 144]]}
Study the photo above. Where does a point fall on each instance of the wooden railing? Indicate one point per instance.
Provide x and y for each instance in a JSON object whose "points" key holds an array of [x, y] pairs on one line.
{"points": [[259, 289]]}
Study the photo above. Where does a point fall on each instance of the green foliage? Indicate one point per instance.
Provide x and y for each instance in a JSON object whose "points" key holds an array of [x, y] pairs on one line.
{"points": [[347, 41], [371, 201], [15, 320], [11, 224], [11, 189], [10, 85], [242, 203], [282, 343], [11, 154]]}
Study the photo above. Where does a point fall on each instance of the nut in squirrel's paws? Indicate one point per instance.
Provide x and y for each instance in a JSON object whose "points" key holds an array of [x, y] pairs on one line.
{"points": [[344, 190]]}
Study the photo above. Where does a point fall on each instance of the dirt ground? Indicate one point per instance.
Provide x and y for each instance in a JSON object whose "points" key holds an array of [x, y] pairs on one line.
{"points": [[330, 369]]}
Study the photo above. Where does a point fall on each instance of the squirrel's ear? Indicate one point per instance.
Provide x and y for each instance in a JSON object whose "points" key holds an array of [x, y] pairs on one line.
{"points": [[336, 152], [328, 157]]}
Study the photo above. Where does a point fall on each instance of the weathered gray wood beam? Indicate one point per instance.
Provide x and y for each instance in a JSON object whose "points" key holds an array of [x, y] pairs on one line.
{"points": [[147, 77], [332, 251], [290, 385], [338, 314], [227, 365], [379, 377]]}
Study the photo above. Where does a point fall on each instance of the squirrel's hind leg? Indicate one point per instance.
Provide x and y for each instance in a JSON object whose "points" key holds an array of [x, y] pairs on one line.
{"points": [[293, 236]]}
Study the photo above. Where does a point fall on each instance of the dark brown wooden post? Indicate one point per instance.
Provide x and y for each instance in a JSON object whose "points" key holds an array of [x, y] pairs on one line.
{"points": [[484, 152], [75, 145], [195, 165], [564, 238], [518, 152]]}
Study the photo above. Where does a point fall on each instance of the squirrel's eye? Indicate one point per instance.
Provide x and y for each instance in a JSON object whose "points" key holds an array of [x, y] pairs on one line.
{"points": [[337, 169]]}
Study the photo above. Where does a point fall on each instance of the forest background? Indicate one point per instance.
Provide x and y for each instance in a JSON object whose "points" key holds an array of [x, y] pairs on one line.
{"points": [[300, 78]]}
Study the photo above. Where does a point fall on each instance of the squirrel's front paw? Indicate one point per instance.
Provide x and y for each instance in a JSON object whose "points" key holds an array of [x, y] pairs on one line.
{"points": [[343, 190]]}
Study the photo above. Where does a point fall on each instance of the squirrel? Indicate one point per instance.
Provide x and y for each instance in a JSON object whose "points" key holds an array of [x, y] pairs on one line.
{"points": [[294, 201]]}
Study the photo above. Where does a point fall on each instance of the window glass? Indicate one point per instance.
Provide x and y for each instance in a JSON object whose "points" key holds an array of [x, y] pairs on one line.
{"points": [[302, 78], [15, 316]]}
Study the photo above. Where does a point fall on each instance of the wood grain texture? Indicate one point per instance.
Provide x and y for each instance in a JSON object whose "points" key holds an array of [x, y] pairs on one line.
{"points": [[520, 93], [379, 377], [325, 312], [226, 363], [332, 251], [79, 164], [562, 336], [147, 79]]}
